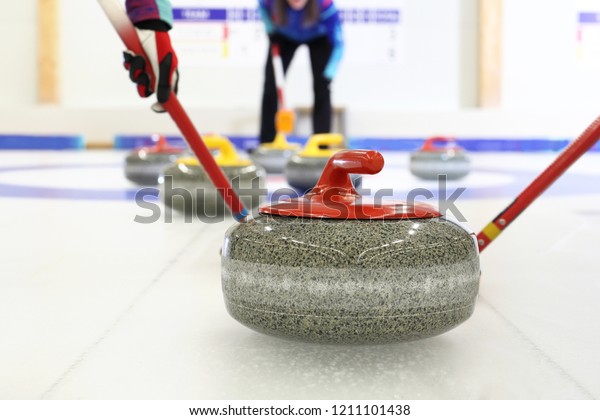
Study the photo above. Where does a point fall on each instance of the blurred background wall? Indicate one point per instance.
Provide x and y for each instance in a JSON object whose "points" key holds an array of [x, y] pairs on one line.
{"points": [[548, 71]]}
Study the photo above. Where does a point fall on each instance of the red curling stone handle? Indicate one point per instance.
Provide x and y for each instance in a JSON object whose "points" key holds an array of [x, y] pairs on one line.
{"points": [[429, 143], [344, 163]]}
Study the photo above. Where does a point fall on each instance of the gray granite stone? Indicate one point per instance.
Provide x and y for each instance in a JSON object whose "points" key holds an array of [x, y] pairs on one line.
{"points": [[352, 281], [455, 164], [147, 168], [273, 160], [188, 188]]}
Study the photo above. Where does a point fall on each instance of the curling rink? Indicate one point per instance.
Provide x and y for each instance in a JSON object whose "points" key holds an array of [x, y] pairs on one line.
{"points": [[94, 305]]}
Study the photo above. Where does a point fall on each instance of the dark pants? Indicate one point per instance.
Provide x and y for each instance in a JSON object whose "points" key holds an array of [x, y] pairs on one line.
{"points": [[320, 51]]}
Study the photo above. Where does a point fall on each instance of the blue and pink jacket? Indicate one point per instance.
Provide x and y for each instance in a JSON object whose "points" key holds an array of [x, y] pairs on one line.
{"points": [[329, 25], [143, 10]]}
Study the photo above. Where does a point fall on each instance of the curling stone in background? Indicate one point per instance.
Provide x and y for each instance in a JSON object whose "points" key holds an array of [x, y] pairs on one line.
{"points": [[144, 166], [187, 187], [328, 267], [440, 156], [304, 169], [274, 156]]}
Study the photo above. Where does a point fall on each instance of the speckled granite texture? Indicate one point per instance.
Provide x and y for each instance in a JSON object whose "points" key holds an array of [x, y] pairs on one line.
{"points": [[431, 164], [273, 160], [147, 168], [203, 200], [350, 281], [303, 173]]}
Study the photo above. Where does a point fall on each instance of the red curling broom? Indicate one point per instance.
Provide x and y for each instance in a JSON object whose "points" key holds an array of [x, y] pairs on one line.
{"points": [[568, 156], [284, 119], [119, 19]]}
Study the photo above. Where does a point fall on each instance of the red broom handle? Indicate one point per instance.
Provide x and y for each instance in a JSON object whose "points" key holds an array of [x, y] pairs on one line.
{"points": [[119, 19], [216, 175], [279, 75], [568, 156]]}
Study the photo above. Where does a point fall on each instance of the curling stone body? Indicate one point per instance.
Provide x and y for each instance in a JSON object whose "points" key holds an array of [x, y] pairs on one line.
{"points": [[432, 161], [145, 166], [304, 169], [187, 187], [303, 172], [274, 156], [272, 160], [374, 275], [354, 281]]}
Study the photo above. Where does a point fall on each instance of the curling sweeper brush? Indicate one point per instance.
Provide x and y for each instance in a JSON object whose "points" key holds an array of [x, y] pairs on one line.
{"points": [[274, 156]]}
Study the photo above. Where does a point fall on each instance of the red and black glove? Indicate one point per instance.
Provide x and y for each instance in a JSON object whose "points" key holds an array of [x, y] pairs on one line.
{"points": [[163, 62]]}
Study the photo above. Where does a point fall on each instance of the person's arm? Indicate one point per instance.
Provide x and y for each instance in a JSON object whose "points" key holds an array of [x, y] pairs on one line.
{"points": [[264, 8], [153, 19], [331, 19]]}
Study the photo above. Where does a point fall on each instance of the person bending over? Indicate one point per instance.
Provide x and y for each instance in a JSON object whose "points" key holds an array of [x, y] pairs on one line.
{"points": [[289, 24]]}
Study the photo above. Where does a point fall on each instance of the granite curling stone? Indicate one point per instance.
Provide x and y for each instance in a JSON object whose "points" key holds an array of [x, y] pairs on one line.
{"points": [[144, 166], [187, 187], [274, 156], [304, 169], [330, 268], [434, 160]]}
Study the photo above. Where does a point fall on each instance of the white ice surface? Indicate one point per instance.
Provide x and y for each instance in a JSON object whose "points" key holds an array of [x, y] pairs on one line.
{"points": [[96, 306]]}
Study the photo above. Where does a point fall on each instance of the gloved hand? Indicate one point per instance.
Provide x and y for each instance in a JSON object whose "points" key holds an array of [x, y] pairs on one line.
{"points": [[163, 62]]}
